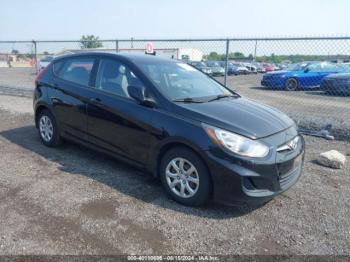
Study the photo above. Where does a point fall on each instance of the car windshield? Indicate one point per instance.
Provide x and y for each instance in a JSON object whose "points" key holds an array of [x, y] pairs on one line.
{"points": [[180, 81], [297, 67]]}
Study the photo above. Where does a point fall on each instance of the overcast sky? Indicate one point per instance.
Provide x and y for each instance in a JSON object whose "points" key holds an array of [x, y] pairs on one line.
{"points": [[67, 19]]}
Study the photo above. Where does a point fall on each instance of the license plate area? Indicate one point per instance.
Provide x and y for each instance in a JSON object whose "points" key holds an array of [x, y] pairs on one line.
{"points": [[286, 168]]}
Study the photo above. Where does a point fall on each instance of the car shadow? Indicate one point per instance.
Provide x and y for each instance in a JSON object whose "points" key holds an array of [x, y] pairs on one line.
{"points": [[265, 88], [317, 93], [314, 91], [77, 160]]}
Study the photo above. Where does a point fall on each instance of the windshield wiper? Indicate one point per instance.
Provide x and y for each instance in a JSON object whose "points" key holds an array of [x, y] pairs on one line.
{"points": [[218, 97], [187, 100]]}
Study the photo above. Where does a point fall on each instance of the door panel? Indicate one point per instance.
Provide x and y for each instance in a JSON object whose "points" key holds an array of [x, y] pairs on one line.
{"points": [[69, 106], [119, 125], [115, 121], [309, 79]]}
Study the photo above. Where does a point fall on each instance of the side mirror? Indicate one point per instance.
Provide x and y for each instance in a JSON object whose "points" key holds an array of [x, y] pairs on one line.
{"points": [[139, 94], [306, 70]]}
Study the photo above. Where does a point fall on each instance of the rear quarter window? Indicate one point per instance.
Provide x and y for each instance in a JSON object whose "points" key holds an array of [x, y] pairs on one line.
{"points": [[76, 70], [57, 66]]}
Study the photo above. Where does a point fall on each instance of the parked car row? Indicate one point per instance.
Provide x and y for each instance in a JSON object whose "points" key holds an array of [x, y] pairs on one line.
{"points": [[217, 68], [331, 77]]}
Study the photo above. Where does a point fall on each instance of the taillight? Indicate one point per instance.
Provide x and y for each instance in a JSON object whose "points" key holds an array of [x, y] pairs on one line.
{"points": [[37, 78]]}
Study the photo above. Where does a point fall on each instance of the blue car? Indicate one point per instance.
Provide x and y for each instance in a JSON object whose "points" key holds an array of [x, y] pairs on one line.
{"points": [[305, 75]]}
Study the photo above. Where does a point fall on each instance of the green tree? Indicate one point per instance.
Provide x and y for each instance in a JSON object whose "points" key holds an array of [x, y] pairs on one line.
{"points": [[14, 52], [238, 55], [214, 56], [46, 53], [90, 41]]}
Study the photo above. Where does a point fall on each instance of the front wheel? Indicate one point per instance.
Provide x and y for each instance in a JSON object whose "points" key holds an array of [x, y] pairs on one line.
{"points": [[185, 178], [291, 84]]}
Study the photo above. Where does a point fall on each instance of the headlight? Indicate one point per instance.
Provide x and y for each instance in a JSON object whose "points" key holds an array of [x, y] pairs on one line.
{"points": [[235, 143]]}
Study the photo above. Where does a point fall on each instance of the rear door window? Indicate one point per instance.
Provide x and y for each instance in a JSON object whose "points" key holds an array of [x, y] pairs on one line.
{"points": [[76, 70]]}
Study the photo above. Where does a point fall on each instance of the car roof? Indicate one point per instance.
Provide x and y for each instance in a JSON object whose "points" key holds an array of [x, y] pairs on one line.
{"points": [[135, 58]]}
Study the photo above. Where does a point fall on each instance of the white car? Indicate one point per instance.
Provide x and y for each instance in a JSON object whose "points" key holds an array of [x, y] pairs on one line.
{"points": [[252, 68], [241, 69]]}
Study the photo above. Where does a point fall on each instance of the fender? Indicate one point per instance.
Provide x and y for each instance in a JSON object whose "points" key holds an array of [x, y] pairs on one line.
{"points": [[41, 100], [159, 150]]}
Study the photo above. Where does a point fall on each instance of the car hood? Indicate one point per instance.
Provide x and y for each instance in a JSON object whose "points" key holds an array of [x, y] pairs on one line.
{"points": [[239, 115]]}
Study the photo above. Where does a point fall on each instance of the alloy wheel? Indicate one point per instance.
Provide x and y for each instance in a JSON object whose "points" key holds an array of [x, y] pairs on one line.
{"points": [[292, 84], [46, 128], [182, 177]]}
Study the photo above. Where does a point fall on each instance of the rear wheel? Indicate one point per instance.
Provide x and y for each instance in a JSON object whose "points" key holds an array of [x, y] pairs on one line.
{"points": [[291, 84], [48, 129], [185, 178]]}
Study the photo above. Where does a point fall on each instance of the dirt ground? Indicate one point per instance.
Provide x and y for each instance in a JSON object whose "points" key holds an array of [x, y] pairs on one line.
{"points": [[71, 200]]}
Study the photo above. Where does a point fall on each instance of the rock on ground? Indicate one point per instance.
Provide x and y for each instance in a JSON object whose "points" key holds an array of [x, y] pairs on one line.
{"points": [[332, 158]]}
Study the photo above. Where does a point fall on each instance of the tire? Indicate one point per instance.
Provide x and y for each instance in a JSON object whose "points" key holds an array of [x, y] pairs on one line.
{"points": [[291, 84], [198, 180], [48, 129]]}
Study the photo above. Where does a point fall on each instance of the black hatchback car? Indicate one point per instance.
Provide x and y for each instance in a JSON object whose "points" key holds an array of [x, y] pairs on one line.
{"points": [[200, 138]]}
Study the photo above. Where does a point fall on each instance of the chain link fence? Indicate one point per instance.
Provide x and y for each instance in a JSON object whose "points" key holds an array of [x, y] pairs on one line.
{"points": [[303, 77]]}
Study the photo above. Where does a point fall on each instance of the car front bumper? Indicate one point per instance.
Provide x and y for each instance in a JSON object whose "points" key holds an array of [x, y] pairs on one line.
{"points": [[335, 86], [245, 181]]}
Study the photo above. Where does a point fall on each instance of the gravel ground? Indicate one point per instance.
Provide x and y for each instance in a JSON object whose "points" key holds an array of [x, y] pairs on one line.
{"points": [[19, 77], [310, 109], [72, 200]]}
